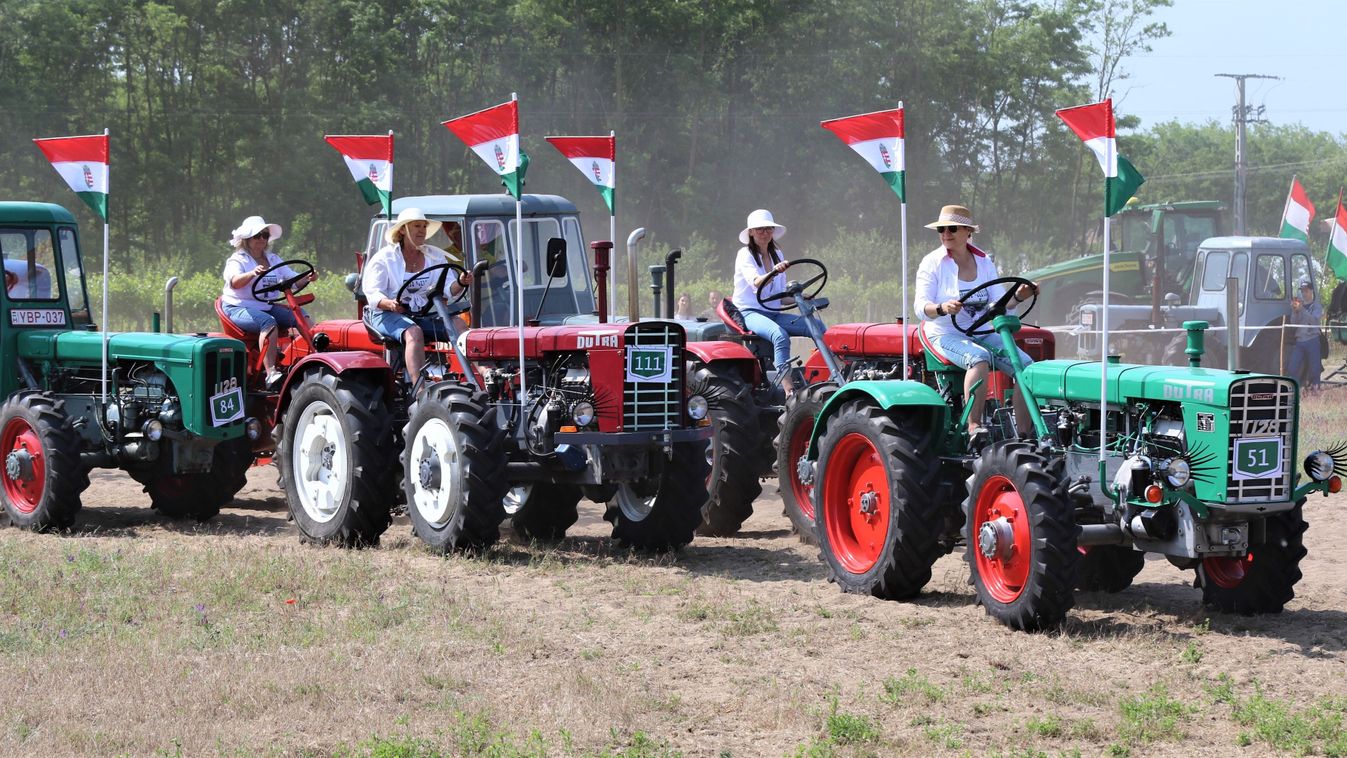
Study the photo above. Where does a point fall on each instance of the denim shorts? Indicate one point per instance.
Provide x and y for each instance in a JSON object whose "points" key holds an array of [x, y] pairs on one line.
{"points": [[255, 319], [970, 351], [391, 325]]}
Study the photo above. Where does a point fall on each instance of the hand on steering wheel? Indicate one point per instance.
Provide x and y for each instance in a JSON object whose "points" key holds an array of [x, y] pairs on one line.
{"points": [[778, 303], [305, 275], [430, 283], [997, 308]]}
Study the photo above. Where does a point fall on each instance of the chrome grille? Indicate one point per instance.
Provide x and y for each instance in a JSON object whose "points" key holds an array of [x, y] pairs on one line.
{"points": [[654, 405], [1262, 407]]}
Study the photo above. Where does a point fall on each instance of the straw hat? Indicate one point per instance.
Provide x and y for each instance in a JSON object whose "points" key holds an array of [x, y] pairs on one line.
{"points": [[954, 215], [251, 227], [758, 219], [407, 216]]}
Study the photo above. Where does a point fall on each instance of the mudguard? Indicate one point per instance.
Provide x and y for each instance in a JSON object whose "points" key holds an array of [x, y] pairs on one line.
{"points": [[885, 394]]}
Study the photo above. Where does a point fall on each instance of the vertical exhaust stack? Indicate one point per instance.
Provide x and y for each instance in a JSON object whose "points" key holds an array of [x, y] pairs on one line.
{"points": [[602, 250], [633, 293], [670, 298]]}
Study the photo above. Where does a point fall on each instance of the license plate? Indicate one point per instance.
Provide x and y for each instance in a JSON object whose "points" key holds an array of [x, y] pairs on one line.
{"points": [[37, 317], [226, 406]]}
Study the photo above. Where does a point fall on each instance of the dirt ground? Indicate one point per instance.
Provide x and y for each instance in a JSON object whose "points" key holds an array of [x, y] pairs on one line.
{"points": [[732, 646]]}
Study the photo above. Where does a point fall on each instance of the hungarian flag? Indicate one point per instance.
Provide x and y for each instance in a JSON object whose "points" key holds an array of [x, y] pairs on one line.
{"points": [[596, 157], [878, 138], [370, 160], [494, 135], [83, 163], [1094, 124], [1337, 242], [1298, 214]]}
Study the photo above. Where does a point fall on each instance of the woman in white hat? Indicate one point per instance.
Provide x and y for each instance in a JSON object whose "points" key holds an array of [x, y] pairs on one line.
{"points": [[406, 255], [946, 273], [759, 261], [251, 260]]}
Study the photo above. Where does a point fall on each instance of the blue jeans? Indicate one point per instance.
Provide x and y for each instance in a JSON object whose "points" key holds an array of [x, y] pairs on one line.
{"points": [[257, 319], [1305, 364], [970, 351], [778, 328]]}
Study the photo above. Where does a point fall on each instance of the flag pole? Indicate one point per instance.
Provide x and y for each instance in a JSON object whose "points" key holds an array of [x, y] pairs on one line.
{"points": [[902, 214], [1103, 329], [519, 255], [612, 233], [104, 386], [388, 208]]}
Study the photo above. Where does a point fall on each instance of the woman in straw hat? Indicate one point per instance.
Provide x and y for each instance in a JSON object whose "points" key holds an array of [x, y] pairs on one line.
{"points": [[251, 260], [759, 261], [946, 274], [406, 255]]}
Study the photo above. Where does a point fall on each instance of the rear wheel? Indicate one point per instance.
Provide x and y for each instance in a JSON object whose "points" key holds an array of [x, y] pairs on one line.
{"points": [[542, 512], [878, 526], [662, 512], [454, 459], [1108, 568], [337, 460], [1021, 535], [792, 443], [1264, 580], [734, 452], [197, 496], [42, 476]]}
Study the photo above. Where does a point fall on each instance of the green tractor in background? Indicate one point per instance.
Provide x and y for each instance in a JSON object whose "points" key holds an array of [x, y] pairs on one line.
{"points": [[1198, 465], [169, 409]]}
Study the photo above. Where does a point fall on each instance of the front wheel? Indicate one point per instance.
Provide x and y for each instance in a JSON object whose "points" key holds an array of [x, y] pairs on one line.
{"points": [[1021, 534], [42, 476], [1264, 580], [878, 526], [1108, 568], [197, 496], [733, 453], [662, 512], [454, 464], [796, 427], [542, 512]]}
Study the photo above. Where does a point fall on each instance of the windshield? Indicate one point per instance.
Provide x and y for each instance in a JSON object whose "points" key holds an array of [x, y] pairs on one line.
{"points": [[29, 259], [550, 299]]}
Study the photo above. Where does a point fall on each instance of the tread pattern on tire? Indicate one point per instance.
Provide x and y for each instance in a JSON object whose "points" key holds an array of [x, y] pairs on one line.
{"points": [[672, 522], [734, 483], [1271, 579], [802, 407], [67, 477], [547, 512]]}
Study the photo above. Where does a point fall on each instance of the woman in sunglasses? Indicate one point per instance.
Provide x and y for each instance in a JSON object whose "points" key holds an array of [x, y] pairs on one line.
{"points": [[251, 260], [945, 275]]}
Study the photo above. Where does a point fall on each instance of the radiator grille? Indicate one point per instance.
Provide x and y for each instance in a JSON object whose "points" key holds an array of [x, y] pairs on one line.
{"points": [[1260, 408], [654, 405]]}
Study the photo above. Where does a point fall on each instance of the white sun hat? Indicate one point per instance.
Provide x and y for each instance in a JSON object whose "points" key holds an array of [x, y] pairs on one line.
{"points": [[251, 227], [407, 216], [758, 219]]}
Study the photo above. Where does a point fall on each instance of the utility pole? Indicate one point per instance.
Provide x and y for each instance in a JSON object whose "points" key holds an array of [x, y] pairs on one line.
{"points": [[1243, 115]]}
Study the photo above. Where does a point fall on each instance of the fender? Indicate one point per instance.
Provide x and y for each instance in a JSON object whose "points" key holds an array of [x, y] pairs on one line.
{"points": [[731, 353], [888, 395], [338, 363]]}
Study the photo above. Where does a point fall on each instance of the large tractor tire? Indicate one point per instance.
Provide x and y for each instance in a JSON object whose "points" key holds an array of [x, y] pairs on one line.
{"points": [[200, 496], [42, 476], [1108, 568], [878, 526], [1021, 534], [663, 512], [542, 512], [454, 459], [1264, 580], [337, 459], [792, 443], [734, 453]]}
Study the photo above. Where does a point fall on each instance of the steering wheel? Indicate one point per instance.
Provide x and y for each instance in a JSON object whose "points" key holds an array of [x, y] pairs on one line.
{"points": [[795, 289], [440, 273], [278, 289], [995, 309]]}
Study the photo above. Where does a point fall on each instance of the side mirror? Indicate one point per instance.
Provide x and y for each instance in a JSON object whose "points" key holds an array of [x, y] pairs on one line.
{"points": [[556, 258]]}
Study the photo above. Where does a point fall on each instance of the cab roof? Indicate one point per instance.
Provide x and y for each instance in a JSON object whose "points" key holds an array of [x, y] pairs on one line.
{"points": [[12, 212], [1249, 243], [484, 205]]}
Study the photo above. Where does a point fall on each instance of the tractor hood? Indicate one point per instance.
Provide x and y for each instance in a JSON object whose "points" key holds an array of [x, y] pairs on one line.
{"points": [[87, 347], [502, 343], [869, 340], [1079, 381]]}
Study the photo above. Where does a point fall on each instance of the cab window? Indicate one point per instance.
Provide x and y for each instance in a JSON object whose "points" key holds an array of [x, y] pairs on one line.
{"points": [[74, 275], [1213, 275], [29, 259], [1269, 277]]}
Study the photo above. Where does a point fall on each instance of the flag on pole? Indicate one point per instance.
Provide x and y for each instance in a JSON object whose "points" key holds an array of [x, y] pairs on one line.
{"points": [[878, 138], [83, 163], [1298, 214], [370, 160], [494, 135], [596, 157], [1094, 124], [1337, 242]]}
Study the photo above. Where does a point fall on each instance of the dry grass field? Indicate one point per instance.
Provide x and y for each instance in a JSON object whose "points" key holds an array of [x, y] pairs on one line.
{"points": [[133, 636]]}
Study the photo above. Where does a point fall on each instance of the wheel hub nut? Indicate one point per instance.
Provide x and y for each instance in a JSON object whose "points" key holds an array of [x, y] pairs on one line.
{"points": [[429, 473], [804, 471], [869, 503], [327, 456], [19, 465], [995, 538]]}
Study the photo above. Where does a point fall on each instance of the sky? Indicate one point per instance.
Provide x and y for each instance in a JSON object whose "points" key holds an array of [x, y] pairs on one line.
{"points": [[1297, 40]]}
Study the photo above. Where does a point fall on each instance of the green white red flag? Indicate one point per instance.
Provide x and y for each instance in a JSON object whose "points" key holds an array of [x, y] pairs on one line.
{"points": [[83, 163], [370, 161], [1094, 124], [878, 138], [1298, 214], [1337, 242], [596, 157], [493, 134]]}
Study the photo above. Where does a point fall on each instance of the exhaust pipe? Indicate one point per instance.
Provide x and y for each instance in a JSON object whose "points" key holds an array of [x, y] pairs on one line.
{"points": [[602, 249], [633, 294], [669, 298]]}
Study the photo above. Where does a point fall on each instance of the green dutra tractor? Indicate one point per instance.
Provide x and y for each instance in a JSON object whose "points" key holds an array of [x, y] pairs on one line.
{"points": [[168, 408], [1198, 465]]}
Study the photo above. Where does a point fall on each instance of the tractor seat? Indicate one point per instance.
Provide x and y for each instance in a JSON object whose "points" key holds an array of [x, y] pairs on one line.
{"points": [[229, 327], [935, 360], [376, 338], [760, 347]]}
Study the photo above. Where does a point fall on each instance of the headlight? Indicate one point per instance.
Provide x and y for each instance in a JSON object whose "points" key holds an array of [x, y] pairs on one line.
{"points": [[697, 407], [152, 430], [253, 427], [1319, 465], [583, 413], [1178, 472]]}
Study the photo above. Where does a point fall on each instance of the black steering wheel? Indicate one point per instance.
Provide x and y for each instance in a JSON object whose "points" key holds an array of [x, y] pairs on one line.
{"points": [[794, 289], [264, 293], [437, 275], [997, 308]]}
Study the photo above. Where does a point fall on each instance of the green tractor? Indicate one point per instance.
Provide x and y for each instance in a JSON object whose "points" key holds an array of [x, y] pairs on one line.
{"points": [[1197, 465], [168, 409]]}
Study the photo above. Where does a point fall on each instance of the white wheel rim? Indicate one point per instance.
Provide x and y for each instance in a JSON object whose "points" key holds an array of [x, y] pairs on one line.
{"points": [[320, 463], [436, 472], [516, 497], [633, 506]]}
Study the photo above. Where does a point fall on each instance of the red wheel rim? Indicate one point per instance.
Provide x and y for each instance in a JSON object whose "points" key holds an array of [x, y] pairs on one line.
{"points": [[1227, 573], [796, 448], [856, 499], [1003, 574], [24, 490]]}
